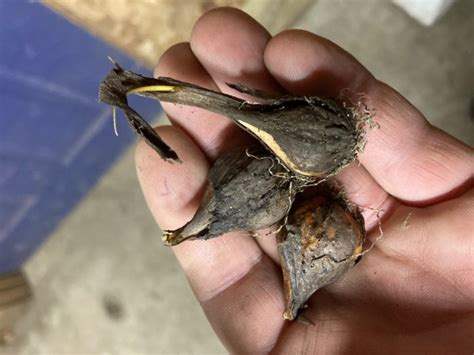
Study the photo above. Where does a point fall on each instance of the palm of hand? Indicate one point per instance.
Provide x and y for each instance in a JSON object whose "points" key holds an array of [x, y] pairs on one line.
{"points": [[413, 291]]}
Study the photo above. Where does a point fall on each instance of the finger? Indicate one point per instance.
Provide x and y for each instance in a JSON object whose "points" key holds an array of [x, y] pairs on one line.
{"points": [[212, 132], [361, 189], [230, 45], [408, 157], [229, 275]]}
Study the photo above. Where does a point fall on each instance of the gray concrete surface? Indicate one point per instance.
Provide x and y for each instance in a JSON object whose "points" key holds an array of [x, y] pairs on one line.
{"points": [[104, 284]]}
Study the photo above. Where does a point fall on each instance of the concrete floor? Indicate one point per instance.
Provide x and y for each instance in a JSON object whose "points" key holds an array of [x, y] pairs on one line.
{"points": [[104, 284]]}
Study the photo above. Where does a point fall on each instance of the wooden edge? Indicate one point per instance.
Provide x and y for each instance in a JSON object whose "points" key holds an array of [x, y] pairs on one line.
{"points": [[14, 288]]}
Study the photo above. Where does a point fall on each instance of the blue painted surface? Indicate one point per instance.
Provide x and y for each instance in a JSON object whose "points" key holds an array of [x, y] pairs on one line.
{"points": [[56, 140]]}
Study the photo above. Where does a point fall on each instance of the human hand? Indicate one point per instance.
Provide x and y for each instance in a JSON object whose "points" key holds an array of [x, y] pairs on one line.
{"points": [[414, 291]]}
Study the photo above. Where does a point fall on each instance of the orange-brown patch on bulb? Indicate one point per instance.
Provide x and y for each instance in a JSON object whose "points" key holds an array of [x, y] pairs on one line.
{"points": [[331, 233]]}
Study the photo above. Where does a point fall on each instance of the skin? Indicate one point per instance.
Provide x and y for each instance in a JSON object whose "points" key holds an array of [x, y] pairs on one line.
{"points": [[414, 291]]}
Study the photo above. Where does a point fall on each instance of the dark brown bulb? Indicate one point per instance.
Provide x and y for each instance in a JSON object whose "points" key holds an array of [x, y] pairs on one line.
{"points": [[248, 190]]}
